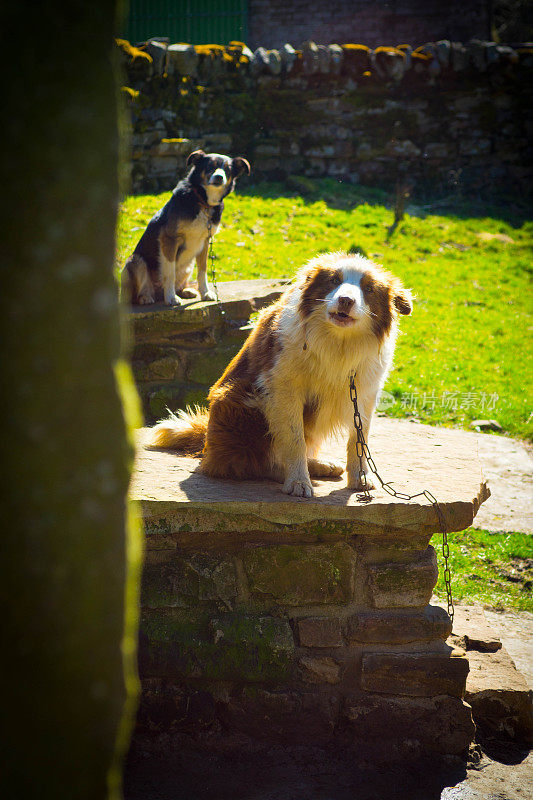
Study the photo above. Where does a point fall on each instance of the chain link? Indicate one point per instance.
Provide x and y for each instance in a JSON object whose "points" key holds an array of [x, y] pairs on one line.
{"points": [[212, 268], [363, 452]]}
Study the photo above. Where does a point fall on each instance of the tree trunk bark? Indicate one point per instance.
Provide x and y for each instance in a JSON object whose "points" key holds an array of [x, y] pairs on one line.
{"points": [[70, 556]]}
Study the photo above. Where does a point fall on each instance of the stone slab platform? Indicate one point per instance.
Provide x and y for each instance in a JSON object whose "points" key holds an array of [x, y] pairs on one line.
{"points": [[238, 299], [414, 457]]}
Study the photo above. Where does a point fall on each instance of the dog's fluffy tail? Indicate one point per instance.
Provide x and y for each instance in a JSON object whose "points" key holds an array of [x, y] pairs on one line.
{"points": [[184, 431]]}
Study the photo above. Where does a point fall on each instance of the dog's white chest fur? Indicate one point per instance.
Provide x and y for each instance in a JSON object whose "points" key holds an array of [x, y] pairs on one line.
{"points": [[195, 236]]}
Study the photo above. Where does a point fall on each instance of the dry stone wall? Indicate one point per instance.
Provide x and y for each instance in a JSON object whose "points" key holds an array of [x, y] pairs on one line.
{"points": [[327, 639], [443, 117]]}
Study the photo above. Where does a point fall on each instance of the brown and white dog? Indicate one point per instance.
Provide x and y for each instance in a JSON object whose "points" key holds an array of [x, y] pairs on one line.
{"points": [[163, 260], [288, 387]]}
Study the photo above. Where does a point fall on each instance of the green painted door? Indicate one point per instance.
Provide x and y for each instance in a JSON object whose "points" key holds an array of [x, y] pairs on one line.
{"points": [[194, 21]]}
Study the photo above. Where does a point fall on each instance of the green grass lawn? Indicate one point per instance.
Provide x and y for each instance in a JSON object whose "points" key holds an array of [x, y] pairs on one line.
{"points": [[465, 353], [493, 569]]}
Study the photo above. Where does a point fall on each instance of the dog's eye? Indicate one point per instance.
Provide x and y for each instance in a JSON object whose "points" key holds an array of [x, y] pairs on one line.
{"points": [[369, 289], [336, 280]]}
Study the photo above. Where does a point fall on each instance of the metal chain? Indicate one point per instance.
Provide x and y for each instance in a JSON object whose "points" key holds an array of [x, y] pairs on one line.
{"points": [[212, 268], [363, 452]]}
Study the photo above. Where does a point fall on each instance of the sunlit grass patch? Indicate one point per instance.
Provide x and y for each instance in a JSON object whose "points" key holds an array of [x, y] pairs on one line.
{"points": [[493, 569]]}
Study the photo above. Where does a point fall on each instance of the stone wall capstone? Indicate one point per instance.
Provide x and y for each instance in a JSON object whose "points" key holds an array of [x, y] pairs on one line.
{"points": [[445, 117]]}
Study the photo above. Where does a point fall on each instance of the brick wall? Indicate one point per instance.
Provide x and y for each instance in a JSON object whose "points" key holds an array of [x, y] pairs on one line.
{"points": [[274, 22]]}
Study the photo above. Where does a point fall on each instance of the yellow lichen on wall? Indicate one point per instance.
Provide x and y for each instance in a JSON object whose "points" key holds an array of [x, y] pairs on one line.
{"points": [[356, 48], [392, 50], [131, 51], [132, 93]]}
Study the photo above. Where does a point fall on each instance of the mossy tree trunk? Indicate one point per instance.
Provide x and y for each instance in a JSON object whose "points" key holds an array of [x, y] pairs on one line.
{"points": [[65, 450]]}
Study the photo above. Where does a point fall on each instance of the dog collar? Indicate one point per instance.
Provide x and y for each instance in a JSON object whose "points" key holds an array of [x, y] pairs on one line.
{"points": [[201, 200]]}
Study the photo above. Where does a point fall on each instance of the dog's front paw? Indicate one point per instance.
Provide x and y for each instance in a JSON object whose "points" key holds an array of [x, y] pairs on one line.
{"points": [[146, 299], [355, 482], [188, 293], [298, 488], [209, 295], [172, 300]]}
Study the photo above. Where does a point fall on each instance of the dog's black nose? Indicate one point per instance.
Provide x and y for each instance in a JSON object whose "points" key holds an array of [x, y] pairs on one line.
{"points": [[217, 180], [345, 303]]}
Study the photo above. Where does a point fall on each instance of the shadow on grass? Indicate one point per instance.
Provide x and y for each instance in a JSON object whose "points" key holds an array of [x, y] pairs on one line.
{"points": [[339, 194]]}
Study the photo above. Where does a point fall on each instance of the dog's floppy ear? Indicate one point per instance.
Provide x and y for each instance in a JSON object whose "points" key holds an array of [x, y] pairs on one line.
{"points": [[195, 157], [239, 166], [403, 301]]}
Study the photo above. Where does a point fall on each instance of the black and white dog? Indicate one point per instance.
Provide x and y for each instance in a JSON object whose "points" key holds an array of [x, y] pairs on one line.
{"points": [[162, 263]]}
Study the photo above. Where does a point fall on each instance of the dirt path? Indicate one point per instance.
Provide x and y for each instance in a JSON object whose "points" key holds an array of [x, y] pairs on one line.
{"points": [[508, 467]]}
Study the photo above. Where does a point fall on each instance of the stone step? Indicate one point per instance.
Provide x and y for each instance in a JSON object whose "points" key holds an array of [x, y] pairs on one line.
{"points": [[500, 697]]}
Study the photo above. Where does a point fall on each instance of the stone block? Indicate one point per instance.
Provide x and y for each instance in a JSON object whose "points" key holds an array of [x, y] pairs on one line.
{"points": [[491, 53], [267, 149], [458, 57], [301, 575], [319, 669], [397, 585], [442, 51], [392, 627], [321, 151], [507, 54], [390, 64], [182, 59], [206, 367], [477, 52], [157, 51], [324, 59], [218, 142], [164, 165], [288, 57], [414, 674], [336, 55], [190, 581], [167, 368], [442, 724], [260, 62], [282, 716], [274, 62], [319, 632], [172, 147], [472, 631], [500, 697], [310, 58], [233, 646], [402, 148], [144, 139]]}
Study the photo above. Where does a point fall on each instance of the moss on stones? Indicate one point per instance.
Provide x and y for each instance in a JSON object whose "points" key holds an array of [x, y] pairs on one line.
{"points": [[297, 575], [196, 580], [234, 646]]}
